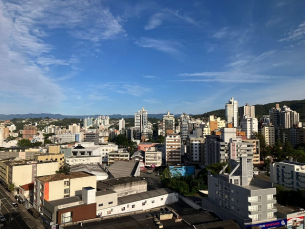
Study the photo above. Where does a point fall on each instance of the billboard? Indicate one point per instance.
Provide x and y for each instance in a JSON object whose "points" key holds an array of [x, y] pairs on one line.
{"points": [[277, 223], [296, 223]]}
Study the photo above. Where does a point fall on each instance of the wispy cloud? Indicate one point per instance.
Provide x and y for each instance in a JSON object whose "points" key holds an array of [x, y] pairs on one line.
{"points": [[231, 77], [155, 21], [152, 101], [167, 46], [149, 77], [168, 15], [273, 21], [295, 34]]}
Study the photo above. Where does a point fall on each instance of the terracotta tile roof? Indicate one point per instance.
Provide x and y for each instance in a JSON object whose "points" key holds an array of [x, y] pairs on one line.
{"points": [[62, 176], [27, 187]]}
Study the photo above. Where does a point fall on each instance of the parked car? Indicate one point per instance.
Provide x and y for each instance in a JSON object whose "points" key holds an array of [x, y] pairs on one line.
{"points": [[14, 204], [2, 218]]}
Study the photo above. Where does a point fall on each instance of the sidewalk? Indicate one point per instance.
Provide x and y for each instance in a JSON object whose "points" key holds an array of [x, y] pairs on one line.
{"points": [[26, 216]]}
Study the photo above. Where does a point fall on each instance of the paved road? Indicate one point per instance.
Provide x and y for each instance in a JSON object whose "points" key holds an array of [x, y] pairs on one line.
{"points": [[12, 214]]}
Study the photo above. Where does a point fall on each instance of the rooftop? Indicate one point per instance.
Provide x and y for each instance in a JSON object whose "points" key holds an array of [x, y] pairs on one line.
{"points": [[67, 200], [143, 195], [122, 168], [62, 176], [109, 183], [104, 192]]}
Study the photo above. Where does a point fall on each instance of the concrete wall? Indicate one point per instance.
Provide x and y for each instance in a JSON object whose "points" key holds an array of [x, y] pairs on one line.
{"points": [[54, 149], [106, 200], [21, 174], [77, 184], [141, 205], [56, 190], [130, 188], [44, 169]]}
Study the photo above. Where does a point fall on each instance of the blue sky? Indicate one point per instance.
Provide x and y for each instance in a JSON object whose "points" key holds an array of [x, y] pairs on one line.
{"points": [[109, 57]]}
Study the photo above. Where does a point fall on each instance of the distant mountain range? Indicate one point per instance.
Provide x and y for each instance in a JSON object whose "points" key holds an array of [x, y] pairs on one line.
{"points": [[263, 109], [260, 110], [60, 116]]}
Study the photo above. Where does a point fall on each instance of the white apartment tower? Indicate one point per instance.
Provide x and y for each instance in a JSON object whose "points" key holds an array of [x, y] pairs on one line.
{"points": [[249, 125], [141, 122], [168, 124], [121, 124], [232, 112]]}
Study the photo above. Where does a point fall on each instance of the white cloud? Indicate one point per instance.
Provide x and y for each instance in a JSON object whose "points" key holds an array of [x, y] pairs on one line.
{"points": [[154, 21], [19, 76], [222, 33], [231, 77], [273, 21], [152, 101], [295, 34], [167, 46], [149, 77]]}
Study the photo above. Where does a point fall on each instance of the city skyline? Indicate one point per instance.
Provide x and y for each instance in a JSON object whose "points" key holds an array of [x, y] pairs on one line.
{"points": [[100, 57]]}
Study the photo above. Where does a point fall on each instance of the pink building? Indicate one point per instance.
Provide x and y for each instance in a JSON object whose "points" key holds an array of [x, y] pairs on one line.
{"points": [[145, 145]]}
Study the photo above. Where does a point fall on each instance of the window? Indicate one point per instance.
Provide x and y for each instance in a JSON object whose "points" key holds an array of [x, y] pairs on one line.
{"points": [[143, 203], [66, 190], [66, 183], [270, 197], [254, 217], [123, 208], [269, 206], [153, 201], [161, 198], [100, 205], [270, 215], [111, 202], [133, 206]]}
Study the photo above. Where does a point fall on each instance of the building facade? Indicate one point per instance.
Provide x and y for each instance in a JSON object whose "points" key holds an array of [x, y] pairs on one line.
{"points": [[231, 110], [173, 149]]}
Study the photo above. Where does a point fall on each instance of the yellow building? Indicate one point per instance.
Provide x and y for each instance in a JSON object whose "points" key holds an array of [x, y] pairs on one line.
{"points": [[54, 149], [50, 157], [20, 172]]}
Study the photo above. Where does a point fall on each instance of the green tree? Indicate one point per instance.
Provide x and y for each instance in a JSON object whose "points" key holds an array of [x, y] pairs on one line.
{"points": [[24, 143], [65, 168]]}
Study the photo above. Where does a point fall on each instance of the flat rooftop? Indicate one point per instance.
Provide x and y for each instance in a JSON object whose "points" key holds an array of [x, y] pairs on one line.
{"points": [[285, 209], [143, 195], [67, 200], [104, 192], [109, 183], [62, 176]]}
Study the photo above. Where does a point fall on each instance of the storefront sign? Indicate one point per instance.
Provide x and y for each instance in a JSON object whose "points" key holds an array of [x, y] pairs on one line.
{"points": [[278, 223], [296, 223]]}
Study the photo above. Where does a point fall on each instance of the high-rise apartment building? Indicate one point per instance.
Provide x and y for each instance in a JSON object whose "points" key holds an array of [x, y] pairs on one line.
{"points": [[269, 134], [173, 149], [141, 123], [247, 110], [184, 126], [168, 124], [121, 124], [283, 118], [74, 128], [88, 122], [239, 195], [249, 125], [29, 132], [232, 112]]}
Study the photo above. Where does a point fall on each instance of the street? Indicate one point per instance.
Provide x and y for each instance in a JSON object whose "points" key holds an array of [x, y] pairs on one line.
{"points": [[12, 214]]}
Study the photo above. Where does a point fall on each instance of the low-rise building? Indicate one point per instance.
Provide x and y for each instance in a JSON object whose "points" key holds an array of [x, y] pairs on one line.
{"points": [[153, 157], [120, 155], [123, 186], [58, 186], [43, 157], [288, 174], [93, 168], [75, 160], [18, 172]]}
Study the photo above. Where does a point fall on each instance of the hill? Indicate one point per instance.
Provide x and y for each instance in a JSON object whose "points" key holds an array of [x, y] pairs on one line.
{"points": [[263, 109]]}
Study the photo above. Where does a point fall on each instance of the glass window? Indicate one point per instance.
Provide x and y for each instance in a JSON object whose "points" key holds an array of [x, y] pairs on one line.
{"points": [[111, 202]]}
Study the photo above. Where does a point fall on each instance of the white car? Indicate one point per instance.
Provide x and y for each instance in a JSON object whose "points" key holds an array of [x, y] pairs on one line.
{"points": [[15, 205]]}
